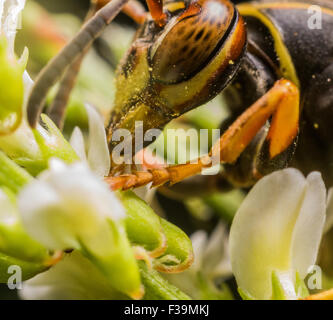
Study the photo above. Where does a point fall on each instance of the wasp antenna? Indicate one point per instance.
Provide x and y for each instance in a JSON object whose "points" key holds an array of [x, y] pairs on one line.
{"points": [[69, 54], [58, 107]]}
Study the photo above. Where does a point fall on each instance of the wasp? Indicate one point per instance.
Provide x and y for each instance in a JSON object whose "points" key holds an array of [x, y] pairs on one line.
{"points": [[275, 72]]}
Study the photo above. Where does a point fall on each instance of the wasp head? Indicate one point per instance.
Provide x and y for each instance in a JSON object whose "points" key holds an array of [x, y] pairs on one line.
{"points": [[179, 62]]}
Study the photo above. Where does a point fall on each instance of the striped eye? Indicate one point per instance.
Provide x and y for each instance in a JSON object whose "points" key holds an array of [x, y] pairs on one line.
{"points": [[191, 40]]}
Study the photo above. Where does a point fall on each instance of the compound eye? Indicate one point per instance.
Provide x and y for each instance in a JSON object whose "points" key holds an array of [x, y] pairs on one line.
{"points": [[191, 42]]}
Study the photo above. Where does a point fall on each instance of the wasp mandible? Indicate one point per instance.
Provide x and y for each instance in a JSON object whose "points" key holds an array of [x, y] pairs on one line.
{"points": [[275, 72]]}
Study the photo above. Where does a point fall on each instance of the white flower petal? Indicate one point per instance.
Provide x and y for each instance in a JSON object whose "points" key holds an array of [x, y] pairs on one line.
{"points": [[41, 213], [98, 151], [69, 205], [309, 225], [216, 259], [262, 231], [77, 143], [329, 211], [199, 241], [214, 250], [28, 84]]}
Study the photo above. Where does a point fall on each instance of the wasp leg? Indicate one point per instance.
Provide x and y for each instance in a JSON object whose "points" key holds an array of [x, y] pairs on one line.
{"points": [[156, 10], [69, 54], [281, 102]]}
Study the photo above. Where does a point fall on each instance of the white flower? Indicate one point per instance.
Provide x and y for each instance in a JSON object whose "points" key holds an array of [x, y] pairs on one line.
{"points": [[95, 151], [74, 278], [211, 265], [277, 231], [10, 11], [68, 206]]}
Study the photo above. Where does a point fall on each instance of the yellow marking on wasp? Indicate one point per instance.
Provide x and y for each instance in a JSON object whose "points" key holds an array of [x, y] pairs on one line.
{"points": [[174, 6], [175, 93], [290, 5], [286, 64]]}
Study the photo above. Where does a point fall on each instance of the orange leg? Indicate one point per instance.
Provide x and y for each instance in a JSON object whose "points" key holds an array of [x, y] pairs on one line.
{"points": [[325, 295], [281, 103], [156, 10]]}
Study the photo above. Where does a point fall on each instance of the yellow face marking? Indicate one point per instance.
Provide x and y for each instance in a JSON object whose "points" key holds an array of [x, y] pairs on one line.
{"points": [[286, 64], [175, 6]]}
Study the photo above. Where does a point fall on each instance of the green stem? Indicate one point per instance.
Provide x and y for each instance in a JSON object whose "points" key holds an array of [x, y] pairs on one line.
{"points": [[157, 288]]}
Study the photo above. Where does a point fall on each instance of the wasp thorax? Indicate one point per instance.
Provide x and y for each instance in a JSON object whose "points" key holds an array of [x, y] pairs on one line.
{"points": [[191, 40]]}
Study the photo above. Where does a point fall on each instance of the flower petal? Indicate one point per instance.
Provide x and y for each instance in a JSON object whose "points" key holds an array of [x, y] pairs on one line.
{"points": [[309, 225], [41, 216], [98, 151], [77, 143], [329, 211], [199, 242], [217, 259], [261, 233], [70, 204]]}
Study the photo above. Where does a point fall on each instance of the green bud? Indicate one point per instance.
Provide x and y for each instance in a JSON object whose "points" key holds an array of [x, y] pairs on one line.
{"points": [[119, 266], [143, 225], [33, 148]]}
